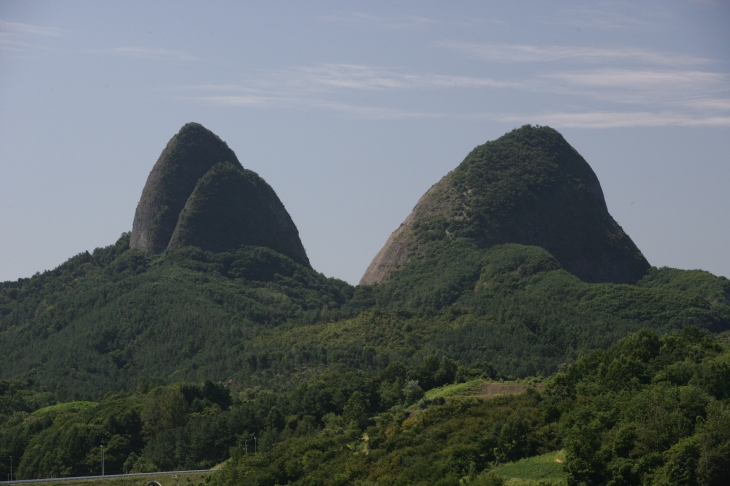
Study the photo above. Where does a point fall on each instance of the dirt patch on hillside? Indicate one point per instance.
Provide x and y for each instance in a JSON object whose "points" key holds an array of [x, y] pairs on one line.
{"points": [[498, 389]]}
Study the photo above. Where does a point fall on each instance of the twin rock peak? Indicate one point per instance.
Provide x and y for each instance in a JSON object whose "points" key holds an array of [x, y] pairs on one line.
{"points": [[198, 194], [528, 187]]}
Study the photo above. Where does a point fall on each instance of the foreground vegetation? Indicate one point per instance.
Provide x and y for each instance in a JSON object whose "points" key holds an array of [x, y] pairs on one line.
{"points": [[177, 479], [627, 415], [649, 410], [536, 470]]}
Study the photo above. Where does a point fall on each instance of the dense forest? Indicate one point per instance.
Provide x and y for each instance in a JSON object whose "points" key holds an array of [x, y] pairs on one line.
{"points": [[477, 351], [253, 317], [649, 410]]}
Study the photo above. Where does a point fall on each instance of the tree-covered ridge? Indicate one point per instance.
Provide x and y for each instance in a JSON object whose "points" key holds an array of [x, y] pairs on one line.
{"points": [[254, 317], [66, 439], [648, 411], [528, 187], [513, 306], [103, 319]]}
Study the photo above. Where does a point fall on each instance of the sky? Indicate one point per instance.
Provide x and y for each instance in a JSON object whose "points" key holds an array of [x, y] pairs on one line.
{"points": [[352, 110]]}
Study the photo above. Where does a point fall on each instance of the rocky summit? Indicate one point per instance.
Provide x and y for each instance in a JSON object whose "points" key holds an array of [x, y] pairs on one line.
{"points": [[528, 187], [198, 194]]}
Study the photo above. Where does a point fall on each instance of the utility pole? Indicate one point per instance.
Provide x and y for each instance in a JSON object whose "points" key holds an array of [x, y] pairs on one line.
{"points": [[254, 445], [102, 460], [11, 467]]}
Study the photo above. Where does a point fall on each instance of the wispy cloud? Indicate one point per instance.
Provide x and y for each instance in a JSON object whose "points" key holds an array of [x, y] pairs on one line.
{"points": [[323, 86], [392, 23], [587, 120], [617, 119], [510, 53], [243, 100], [715, 104], [642, 79], [695, 89], [14, 35], [661, 97], [361, 77], [354, 110], [153, 54], [28, 29], [303, 81], [10, 42], [597, 19]]}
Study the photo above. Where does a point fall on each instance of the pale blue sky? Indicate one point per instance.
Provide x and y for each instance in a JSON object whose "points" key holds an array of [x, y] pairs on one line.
{"points": [[352, 110]]}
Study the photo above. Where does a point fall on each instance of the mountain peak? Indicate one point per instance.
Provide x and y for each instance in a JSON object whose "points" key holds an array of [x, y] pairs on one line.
{"points": [[528, 187], [199, 194]]}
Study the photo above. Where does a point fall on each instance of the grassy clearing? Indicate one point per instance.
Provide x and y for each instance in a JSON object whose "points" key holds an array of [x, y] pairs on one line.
{"points": [[544, 469], [64, 406], [481, 388], [193, 479], [459, 390]]}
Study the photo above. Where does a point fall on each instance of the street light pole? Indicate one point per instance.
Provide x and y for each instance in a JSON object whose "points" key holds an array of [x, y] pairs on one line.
{"points": [[11, 468], [254, 445], [102, 460]]}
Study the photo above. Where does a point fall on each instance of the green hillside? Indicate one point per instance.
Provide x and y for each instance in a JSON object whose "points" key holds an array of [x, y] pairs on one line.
{"points": [[477, 353], [528, 187], [649, 410], [104, 319], [253, 317]]}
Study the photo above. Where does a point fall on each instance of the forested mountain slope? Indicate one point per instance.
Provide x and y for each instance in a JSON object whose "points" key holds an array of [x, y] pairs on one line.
{"points": [[252, 316], [650, 410], [260, 316], [206, 327], [102, 320], [528, 187]]}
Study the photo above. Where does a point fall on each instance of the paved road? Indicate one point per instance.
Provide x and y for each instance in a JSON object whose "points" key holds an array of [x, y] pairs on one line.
{"points": [[108, 476]]}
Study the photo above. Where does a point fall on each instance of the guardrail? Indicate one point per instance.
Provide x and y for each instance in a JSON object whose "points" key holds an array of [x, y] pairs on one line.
{"points": [[107, 476]]}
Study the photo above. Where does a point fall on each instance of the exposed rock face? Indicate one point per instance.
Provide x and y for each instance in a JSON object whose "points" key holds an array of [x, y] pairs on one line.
{"points": [[198, 194], [528, 187]]}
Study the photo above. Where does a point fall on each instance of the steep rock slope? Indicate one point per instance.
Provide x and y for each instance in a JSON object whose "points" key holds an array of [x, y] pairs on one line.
{"points": [[189, 154], [230, 207], [528, 187], [198, 194]]}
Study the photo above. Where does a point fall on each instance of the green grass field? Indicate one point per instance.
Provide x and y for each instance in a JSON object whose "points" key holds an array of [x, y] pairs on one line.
{"points": [[544, 469], [481, 388], [459, 390], [64, 406]]}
